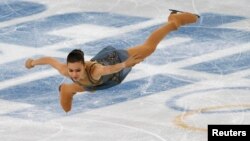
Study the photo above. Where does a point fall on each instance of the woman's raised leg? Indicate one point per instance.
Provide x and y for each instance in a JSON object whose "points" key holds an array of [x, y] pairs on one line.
{"points": [[175, 20]]}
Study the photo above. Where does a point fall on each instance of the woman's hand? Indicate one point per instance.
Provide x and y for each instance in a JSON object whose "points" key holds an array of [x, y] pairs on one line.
{"points": [[133, 60], [28, 63], [100, 70]]}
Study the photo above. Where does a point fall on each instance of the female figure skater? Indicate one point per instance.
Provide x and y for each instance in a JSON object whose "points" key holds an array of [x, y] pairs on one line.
{"points": [[110, 66]]}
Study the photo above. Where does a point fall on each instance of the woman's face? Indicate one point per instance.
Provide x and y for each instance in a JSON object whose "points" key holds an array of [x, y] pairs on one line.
{"points": [[76, 70]]}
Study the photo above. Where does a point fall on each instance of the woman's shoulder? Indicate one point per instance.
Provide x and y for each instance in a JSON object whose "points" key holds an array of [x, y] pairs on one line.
{"points": [[91, 69], [91, 63]]}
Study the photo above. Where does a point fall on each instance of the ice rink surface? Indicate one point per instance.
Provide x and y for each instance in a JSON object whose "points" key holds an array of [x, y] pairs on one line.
{"points": [[198, 75]]}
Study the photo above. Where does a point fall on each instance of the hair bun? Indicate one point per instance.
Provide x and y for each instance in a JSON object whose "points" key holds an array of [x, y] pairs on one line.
{"points": [[78, 51], [75, 55]]}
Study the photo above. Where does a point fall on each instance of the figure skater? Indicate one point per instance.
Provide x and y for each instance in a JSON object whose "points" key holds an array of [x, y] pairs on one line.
{"points": [[110, 66]]}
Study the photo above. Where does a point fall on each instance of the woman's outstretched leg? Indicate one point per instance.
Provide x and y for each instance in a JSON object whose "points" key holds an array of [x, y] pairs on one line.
{"points": [[175, 20]]}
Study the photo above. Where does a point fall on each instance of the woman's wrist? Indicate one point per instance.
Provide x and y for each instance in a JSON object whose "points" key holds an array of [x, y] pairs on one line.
{"points": [[32, 63], [123, 64]]}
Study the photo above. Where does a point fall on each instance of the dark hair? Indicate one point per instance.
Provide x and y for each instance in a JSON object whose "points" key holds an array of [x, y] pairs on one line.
{"points": [[75, 55]]}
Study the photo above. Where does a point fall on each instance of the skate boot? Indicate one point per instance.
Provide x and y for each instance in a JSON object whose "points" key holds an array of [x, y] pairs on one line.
{"points": [[180, 18]]}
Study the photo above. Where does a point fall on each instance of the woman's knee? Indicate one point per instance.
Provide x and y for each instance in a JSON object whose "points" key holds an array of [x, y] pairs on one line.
{"points": [[143, 50], [147, 50]]}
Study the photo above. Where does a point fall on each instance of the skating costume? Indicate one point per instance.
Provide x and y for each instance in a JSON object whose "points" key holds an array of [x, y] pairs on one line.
{"points": [[107, 56]]}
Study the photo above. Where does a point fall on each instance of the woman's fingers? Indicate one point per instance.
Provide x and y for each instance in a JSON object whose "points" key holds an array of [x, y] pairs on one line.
{"points": [[137, 56], [133, 60]]}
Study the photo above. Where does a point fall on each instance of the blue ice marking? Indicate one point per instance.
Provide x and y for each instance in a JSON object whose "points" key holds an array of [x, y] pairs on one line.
{"points": [[225, 65], [16, 69], [122, 41], [17, 9], [43, 94], [248, 77], [35, 33], [133, 89], [215, 20], [172, 102], [128, 91], [205, 37]]}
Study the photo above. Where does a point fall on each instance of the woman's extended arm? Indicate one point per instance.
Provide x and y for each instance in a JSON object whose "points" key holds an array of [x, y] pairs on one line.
{"points": [[62, 68], [100, 70]]}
